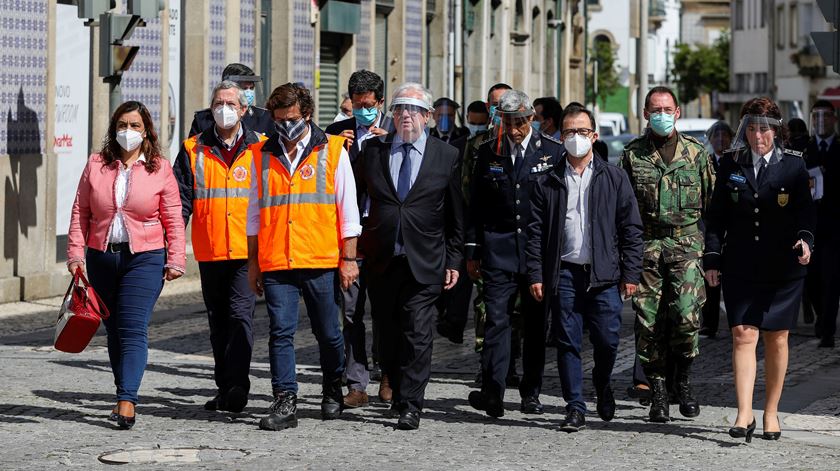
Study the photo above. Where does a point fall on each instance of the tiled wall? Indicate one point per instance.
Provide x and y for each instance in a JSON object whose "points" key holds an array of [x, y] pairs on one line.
{"points": [[303, 53], [414, 40], [247, 32], [142, 82]]}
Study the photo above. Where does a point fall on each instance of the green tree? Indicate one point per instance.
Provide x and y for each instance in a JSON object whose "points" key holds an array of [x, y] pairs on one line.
{"points": [[605, 58], [701, 69]]}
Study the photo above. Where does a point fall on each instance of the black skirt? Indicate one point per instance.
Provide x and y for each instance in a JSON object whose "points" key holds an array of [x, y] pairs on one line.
{"points": [[768, 306]]}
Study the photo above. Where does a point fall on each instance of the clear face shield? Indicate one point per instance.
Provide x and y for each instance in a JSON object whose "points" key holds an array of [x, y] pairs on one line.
{"points": [[823, 122], [512, 126], [761, 134], [444, 115], [719, 139], [407, 118]]}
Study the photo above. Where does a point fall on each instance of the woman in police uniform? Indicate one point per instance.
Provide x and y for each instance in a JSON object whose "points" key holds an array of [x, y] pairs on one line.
{"points": [[758, 240]]}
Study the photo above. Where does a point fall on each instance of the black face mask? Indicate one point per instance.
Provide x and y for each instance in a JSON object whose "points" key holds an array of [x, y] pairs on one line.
{"points": [[290, 130]]}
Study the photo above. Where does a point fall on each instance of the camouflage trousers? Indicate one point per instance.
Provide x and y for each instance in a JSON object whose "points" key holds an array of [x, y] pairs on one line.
{"points": [[481, 314], [668, 303]]}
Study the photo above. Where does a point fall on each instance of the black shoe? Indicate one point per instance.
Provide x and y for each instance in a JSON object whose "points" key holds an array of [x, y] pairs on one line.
{"points": [[331, 401], [741, 432], [708, 333], [282, 412], [235, 400], [486, 402], [659, 402], [771, 435], [689, 407], [606, 404], [827, 342], [212, 404], [126, 423], [573, 422], [450, 332], [531, 405], [409, 420]]}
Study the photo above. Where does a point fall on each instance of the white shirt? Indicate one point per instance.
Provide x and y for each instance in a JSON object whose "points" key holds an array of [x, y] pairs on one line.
{"points": [[523, 145], [756, 158], [345, 193], [363, 133], [118, 232], [577, 230]]}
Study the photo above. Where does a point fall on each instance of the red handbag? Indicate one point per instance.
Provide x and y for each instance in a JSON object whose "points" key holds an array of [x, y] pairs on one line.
{"points": [[79, 316]]}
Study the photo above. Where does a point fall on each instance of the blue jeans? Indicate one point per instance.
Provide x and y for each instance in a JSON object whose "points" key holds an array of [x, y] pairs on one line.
{"points": [[600, 309], [282, 295], [129, 284]]}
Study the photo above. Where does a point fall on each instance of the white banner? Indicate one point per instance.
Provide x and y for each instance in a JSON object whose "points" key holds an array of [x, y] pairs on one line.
{"points": [[175, 79], [72, 108]]}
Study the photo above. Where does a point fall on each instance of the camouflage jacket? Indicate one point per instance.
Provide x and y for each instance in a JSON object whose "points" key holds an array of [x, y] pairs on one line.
{"points": [[468, 161], [670, 196]]}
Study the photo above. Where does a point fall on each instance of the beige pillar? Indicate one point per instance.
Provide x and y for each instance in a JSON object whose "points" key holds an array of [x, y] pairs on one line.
{"points": [[196, 59], [396, 46], [282, 42]]}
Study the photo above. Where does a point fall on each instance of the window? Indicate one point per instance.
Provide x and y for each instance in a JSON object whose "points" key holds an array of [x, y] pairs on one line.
{"points": [[794, 25], [760, 83], [739, 14], [761, 13], [780, 26], [742, 83]]}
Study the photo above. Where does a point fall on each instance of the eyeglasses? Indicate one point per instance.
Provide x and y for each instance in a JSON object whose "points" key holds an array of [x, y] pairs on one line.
{"points": [[585, 132]]}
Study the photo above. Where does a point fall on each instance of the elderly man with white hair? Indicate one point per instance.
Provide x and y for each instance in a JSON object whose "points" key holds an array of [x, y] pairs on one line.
{"points": [[412, 242], [506, 169]]}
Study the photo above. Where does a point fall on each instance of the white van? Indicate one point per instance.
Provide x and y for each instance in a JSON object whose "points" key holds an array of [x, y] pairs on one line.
{"points": [[611, 124], [695, 127]]}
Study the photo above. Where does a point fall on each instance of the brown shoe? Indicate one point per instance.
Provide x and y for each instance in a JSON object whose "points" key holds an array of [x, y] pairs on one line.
{"points": [[385, 392], [355, 398]]}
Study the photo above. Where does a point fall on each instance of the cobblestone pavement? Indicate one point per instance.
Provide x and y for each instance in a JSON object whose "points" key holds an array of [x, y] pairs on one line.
{"points": [[54, 407]]}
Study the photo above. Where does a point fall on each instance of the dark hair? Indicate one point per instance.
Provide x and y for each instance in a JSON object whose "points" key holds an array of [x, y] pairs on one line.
{"points": [[798, 127], [150, 147], [822, 104], [289, 95], [498, 86], [550, 109], [721, 126], [661, 89], [446, 101], [235, 69], [574, 110], [764, 106], [477, 106], [364, 81]]}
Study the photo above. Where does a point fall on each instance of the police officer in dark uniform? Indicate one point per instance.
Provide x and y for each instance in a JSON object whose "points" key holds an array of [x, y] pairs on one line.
{"points": [[759, 236], [507, 167], [255, 118]]}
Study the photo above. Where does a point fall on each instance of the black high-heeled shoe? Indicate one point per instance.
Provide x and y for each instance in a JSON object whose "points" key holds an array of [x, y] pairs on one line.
{"points": [[773, 435], [124, 422], [741, 432]]}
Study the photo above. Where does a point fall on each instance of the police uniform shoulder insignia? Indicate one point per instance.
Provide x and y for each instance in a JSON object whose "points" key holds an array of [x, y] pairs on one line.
{"points": [[551, 139], [794, 153]]}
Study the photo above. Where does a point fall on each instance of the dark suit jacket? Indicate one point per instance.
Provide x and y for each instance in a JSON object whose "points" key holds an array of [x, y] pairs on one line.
{"points": [[431, 217], [457, 132], [828, 224], [751, 229], [338, 127]]}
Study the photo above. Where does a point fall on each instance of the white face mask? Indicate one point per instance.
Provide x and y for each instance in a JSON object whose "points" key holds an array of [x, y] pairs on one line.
{"points": [[129, 139], [225, 116], [578, 146]]}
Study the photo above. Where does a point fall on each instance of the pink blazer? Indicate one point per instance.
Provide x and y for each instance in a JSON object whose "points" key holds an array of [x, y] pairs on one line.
{"points": [[152, 211]]}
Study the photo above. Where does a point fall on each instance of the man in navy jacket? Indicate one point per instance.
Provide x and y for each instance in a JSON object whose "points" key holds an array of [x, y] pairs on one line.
{"points": [[584, 252]]}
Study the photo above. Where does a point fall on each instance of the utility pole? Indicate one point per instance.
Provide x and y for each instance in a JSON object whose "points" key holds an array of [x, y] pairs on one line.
{"points": [[641, 63]]}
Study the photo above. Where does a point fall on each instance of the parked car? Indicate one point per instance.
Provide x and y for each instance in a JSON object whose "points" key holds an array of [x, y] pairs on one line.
{"points": [[611, 124], [695, 127], [616, 144]]}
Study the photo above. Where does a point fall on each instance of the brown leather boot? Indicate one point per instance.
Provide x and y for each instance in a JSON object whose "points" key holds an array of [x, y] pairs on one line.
{"points": [[355, 398], [385, 393]]}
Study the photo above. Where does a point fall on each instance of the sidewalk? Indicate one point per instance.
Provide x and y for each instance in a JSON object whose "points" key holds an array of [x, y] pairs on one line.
{"points": [[53, 409]]}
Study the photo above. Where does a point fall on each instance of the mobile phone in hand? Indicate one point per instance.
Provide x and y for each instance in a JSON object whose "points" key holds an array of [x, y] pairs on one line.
{"points": [[799, 250]]}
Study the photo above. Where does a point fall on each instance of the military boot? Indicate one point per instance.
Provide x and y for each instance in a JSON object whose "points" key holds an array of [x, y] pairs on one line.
{"points": [[659, 401], [689, 407], [332, 400]]}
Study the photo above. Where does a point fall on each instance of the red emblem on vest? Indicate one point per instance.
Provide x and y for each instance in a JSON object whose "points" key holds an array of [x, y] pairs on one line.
{"points": [[307, 171], [240, 174]]}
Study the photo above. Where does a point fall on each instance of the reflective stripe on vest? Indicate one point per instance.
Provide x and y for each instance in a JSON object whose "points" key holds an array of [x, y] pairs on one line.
{"points": [[201, 191], [319, 197]]}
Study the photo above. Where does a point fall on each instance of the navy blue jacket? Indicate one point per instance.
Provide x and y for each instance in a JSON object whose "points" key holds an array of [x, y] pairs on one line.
{"points": [[500, 206], [617, 244], [751, 229]]}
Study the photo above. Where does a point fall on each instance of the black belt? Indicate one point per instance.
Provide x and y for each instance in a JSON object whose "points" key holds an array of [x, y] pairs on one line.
{"points": [[659, 232], [575, 266], [118, 247]]}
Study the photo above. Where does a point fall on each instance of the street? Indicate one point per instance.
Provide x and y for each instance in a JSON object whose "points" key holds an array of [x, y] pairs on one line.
{"points": [[54, 407]]}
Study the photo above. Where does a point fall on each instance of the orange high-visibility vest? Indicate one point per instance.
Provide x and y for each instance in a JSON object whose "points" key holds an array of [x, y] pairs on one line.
{"points": [[220, 203], [299, 225]]}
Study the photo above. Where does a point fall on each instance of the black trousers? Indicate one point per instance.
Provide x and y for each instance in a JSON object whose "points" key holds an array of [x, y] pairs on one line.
{"points": [[405, 310], [500, 291], [454, 304], [711, 309], [230, 312]]}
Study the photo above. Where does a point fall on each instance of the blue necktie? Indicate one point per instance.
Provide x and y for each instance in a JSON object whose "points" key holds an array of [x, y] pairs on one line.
{"points": [[518, 159], [404, 178]]}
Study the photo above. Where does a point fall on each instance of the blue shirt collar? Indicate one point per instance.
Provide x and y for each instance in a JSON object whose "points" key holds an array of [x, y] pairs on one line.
{"points": [[419, 144]]}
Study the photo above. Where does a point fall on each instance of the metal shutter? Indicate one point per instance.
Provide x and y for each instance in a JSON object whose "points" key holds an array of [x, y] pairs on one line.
{"points": [[328, 94]]}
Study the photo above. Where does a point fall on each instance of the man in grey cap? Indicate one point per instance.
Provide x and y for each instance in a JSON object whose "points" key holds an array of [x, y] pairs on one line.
{"points": [[255, 118]]}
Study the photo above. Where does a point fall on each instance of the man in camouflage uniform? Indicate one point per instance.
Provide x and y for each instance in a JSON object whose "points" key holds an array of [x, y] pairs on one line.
{"points": [[673, 178]]}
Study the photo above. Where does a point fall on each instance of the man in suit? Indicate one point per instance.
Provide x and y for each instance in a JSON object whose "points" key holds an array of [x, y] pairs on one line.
{"points": [[255, 118], [824, 152], [445, 129], [412, 242], [366, 91], [506, 169]]}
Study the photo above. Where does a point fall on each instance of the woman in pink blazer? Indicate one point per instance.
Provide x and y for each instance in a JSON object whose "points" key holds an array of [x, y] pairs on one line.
{"points": [[127, 213]]}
